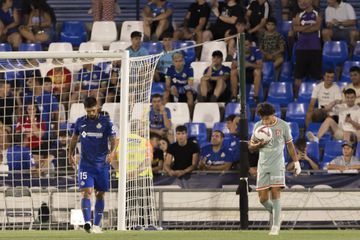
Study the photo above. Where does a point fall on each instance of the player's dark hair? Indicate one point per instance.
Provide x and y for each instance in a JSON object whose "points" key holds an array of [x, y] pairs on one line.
{"points": [[349, 91], [355, 69], [265, 109], [181, 128], [90, 102], [221, 133]]}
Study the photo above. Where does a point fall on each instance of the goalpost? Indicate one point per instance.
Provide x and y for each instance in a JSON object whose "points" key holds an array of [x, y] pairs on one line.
{"points": [[33, 139]]}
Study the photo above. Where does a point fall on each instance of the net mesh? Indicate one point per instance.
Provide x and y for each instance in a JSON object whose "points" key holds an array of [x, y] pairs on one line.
{"points": [[40, 101]]}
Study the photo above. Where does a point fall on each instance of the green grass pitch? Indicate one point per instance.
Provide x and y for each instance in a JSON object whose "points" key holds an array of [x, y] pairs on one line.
{"points": [[186, 235]]}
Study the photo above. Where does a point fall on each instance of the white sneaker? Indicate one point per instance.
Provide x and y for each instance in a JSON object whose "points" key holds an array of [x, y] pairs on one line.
{"points": [[96, 229], [274, 231], [312, 137]]}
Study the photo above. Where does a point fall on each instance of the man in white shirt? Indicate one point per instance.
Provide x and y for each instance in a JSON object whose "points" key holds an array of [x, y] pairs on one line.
{"points": [[340, 21], [349, 120], [327, 94], [355, 82]]}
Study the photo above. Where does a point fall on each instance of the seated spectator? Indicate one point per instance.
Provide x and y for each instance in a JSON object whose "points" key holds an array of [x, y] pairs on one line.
{"points": [[290, 8], [40, 24], [160, 118], [347, 161], [182, 156], [216, 157], [306, 162], [10, 18], [258, 13], [136, 50], [195, 22], [158, 155], [113, 90], [157, 16], [240, 27], [215, 82], [179, 82], [326, 94], [91, 81], [61, 78], [164, 145], [7, 105], [355, 82], [340, 21], [272, 45], [165, 60], [227, 13], [253, 68], [308, 48], [349, 120]]}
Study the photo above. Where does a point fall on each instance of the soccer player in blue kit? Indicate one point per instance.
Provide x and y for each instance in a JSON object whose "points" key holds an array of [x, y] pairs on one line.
{"points": [[95, 130]]}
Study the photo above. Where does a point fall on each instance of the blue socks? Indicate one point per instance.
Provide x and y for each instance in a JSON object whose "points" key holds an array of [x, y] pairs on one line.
{"points": [[86, 209], [99, 209]]}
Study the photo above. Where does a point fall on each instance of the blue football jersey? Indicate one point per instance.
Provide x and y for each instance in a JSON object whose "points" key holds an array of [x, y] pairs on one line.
{"points": [[216, 158], [157, 119], [94, 138], [223, 70], [180, 79]]}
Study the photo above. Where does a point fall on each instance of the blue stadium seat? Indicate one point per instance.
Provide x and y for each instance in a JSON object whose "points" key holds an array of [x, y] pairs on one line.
{"points": [[285, 27], [345, 75], [333, 148], [356, 53], [221, 126], [305, 91], [73, 32], [295, 131], [197, 131], [277, 112], [153, 47], [296, 112], [234, 108], [357, 154], [281, 93], [334, 53], [30, 47], [268, 73], [250, 94], [314, 128], [286, 72], [189, 53], [5, 47], [313, 151], [157, 88]]}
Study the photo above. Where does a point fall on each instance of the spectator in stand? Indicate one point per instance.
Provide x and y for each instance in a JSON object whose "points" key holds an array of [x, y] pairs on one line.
{"points": [[165, 60], [355, 82], [103, 10], [157, 16], [61, 78], [349, 120], [216, 157], [164, 145], [272, 45], [33, 128], [41, 23], [240, 27], [158, 155], [253, 68], [160, 118], [306, 162], [290, 8], [195, 22], [227, 13], [326, 94], [10, 19], [113, 90], [136, 50], [182, 157], [347, 161], [215, 84], [340, 21], [91, 81], [258, 13], [179, 82], [7, 105], [307, 25]]}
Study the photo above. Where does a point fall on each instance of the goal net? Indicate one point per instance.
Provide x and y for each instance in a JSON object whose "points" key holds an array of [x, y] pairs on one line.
{"points": [[41, 96]]}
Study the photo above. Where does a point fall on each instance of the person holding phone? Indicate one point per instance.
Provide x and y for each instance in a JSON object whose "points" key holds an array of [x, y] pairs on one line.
{"points": [[306, 161]]}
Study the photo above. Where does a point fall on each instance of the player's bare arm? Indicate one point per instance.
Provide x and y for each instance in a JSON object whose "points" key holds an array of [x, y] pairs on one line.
{"points": [[73, 142], [254, 145], [292, 152], [111, 154]]}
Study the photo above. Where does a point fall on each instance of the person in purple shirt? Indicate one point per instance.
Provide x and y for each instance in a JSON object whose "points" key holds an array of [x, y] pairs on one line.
{"points": [[157, 16], [307, 25]]}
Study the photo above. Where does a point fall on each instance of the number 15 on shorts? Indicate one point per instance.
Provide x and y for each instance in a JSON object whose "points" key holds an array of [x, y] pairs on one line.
{"points": [[83, 175]]}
